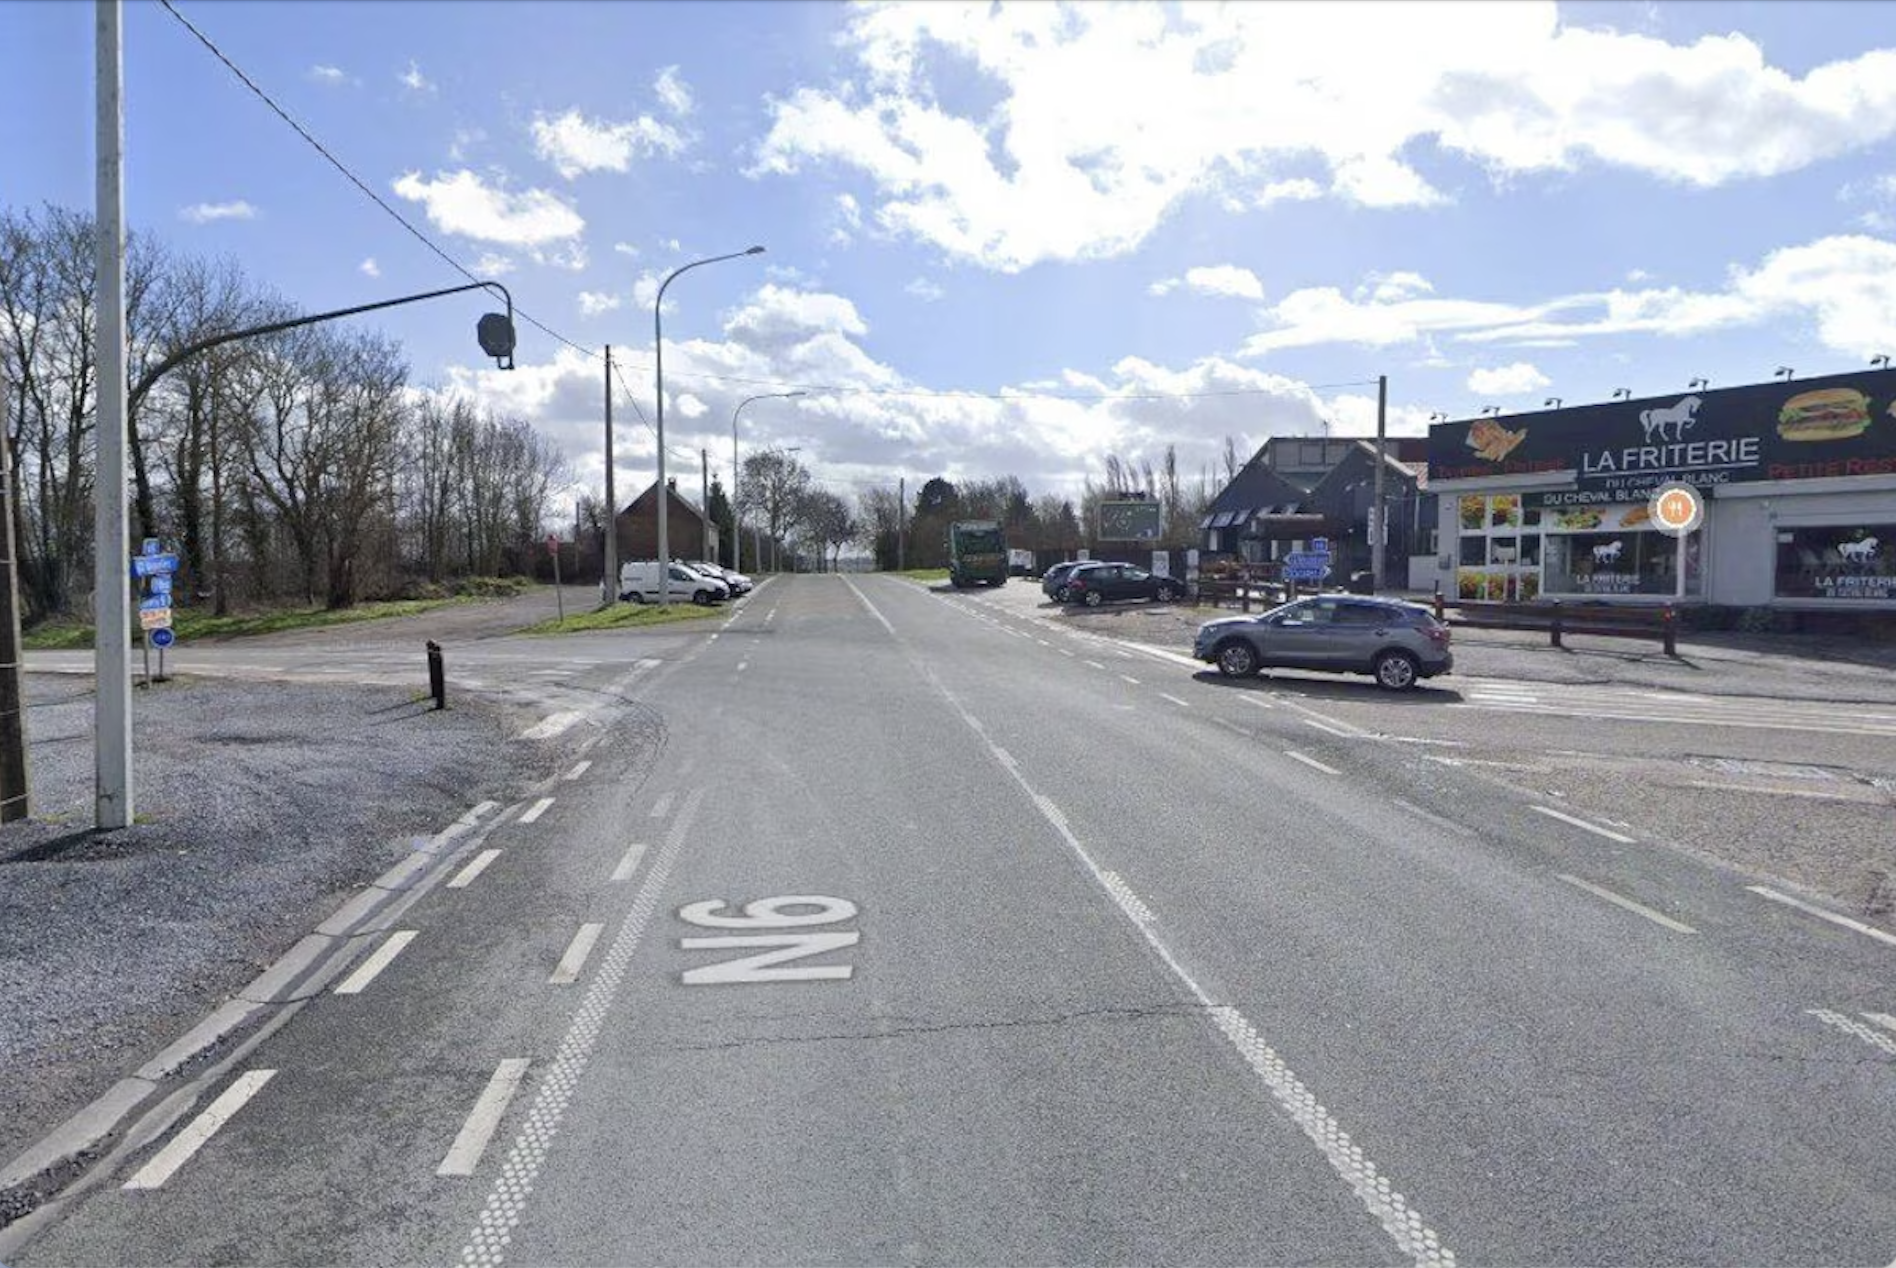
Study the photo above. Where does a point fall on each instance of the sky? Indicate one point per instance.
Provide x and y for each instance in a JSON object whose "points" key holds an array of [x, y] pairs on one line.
{"points": [[1011, 239]]}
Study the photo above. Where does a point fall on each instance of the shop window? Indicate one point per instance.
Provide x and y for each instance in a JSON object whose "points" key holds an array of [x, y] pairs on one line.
{"points": [[1474, 551], [1624, 561], [1856, 561]]}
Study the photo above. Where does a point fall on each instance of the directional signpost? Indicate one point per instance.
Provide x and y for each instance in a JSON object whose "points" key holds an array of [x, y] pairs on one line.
{"points": [[154, 567], [1309, 565]]}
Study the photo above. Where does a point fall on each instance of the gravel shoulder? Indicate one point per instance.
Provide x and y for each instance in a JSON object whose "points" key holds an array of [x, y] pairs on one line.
{"points": [[260, 807]]}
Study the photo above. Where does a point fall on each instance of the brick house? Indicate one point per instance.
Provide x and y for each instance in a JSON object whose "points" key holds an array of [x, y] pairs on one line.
{"points": [[688, 533]]}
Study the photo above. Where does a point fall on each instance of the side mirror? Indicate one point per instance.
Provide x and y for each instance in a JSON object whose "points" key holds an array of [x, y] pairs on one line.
{"points": [[496, 334]]}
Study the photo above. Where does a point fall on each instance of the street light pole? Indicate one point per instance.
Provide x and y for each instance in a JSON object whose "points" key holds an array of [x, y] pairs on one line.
{"points": [[658, 369], [111, 599], [737, 525]]}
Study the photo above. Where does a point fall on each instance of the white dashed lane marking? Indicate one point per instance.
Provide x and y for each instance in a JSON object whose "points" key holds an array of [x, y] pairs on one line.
{"points": [[575, 958], [630, 863], [1183, 704], [538, 808], [1627, 904], [1594, 828], [371, 967], [578, 770], [473, 869], [202, 1128], [1855, 926], [1311, 762], [1851, 1026], [465, 1153]]}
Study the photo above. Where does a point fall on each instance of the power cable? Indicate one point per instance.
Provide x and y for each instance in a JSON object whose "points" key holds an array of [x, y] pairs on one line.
{"points": [[355, 180]]}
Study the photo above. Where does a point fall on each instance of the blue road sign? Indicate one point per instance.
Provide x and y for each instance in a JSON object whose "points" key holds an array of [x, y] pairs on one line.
{"points": [[1320, 545], [1306, 559], [1294, 573], [153, 602], [153, 565], [152, 546], [163, 638], [160, 583]]}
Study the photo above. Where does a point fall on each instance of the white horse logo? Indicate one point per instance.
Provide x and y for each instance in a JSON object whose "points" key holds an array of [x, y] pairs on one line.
{"points": [[1607, 554], [1677, 419], [1858, 552]]}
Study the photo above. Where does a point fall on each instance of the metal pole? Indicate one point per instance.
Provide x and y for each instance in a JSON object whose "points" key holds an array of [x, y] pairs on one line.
{"points": [[737, 516], [658, 374], [15, 788], [901, 523], [704, 503], [112, 640], [1378, 528], [609, 569]]}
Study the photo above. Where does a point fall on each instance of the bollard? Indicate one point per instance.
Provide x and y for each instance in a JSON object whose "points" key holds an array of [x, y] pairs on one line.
{"points": [[1553, 627], [1438, 601], [1670, 629], [437, 675]]}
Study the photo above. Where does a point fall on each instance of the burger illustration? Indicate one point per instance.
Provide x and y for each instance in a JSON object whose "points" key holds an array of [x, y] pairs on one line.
{"points": [[1831, 413]]}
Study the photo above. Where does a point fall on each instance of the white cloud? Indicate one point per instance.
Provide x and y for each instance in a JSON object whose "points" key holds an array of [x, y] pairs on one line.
{"points": [[328, 75], [493, 264], [1507, 380], [1637, 275], [414, 80], [575, 144], [460, 202], [592, 303], [1095, 121], [673, 92], [464, 142], [204, 213], [1843, 286], [1387, 288], [370, 268], [923, 289], [625, 249], [690, 406], [1222, 280]]}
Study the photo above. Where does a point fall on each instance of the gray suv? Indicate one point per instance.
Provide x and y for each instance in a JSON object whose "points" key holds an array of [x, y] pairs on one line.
{"points": [[1395, 642]]}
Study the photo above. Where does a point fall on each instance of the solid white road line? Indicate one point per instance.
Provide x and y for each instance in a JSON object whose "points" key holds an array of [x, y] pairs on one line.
{"points": [[202, 1128], [465, 1153], [1854, 925], [872, 607], [1337, 731], [578, 770], [1882, 1019], [1595, 828], [630, 863], [1258, 701], [473, 869], [1627, 903], [1311, 762], [1775, 792], [1232, 727], [1850, 1026], [1448, 825], [536, 810], [575, 958], [1183, 704], [366, 973]]}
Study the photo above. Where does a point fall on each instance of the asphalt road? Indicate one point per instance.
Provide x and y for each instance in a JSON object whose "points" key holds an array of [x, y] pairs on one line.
{"points": [[890, 926]]}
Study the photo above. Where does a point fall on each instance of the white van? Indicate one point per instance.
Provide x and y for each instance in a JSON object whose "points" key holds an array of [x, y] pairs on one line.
{"points": [[639, 580]]}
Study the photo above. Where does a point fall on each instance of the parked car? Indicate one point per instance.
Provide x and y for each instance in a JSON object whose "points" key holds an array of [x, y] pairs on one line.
{"points": [[1053, 581], [1113, 583], [1395, 642], [737, 581], [639, 582]]}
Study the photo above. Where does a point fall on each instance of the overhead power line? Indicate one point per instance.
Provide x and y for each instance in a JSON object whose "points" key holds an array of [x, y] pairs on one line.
{"points": [[355, 180]]}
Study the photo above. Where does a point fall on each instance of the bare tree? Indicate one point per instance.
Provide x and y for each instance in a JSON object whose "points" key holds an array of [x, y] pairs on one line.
{"points": [[773, 488], [825, 520]]}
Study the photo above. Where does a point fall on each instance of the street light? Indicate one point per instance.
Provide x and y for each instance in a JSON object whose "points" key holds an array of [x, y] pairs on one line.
{"points": [[1622, 393], [737, 529], [1438, 417], [1552, 402], [1880, 361], [1698, 383], [1490, 410], [658, 365], [1782, 372]]}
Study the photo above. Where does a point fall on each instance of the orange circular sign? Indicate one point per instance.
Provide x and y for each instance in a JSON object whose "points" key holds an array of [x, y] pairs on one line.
{"points": [[1676, 508]]}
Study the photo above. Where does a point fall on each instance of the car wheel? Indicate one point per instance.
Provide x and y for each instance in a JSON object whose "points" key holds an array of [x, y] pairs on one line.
{"points": [[1238, 659], [701, 597], [1167, 594], [1395, 671], [1094, 598], [629, 596], [1062, 594]]}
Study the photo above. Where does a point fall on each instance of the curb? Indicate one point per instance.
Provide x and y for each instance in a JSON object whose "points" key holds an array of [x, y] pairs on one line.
{"points": [[310, 963]]}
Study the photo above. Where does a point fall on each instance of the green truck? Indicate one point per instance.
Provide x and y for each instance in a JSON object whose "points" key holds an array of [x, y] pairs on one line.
{"points": [[977, 554]]}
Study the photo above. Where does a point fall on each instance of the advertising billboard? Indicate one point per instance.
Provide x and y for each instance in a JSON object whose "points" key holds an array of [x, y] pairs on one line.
{"points": [[1840, 425], [1130, 521]]}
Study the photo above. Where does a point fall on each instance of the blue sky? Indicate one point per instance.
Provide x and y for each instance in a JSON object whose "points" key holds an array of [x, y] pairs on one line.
{"points": [[1012, 240]]}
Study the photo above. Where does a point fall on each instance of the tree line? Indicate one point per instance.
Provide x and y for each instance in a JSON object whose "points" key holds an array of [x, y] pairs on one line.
{"points": [[295, 466]]}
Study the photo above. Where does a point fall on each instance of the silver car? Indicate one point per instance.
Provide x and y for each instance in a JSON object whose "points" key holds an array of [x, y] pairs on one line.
{"points": [[1397, 643]]}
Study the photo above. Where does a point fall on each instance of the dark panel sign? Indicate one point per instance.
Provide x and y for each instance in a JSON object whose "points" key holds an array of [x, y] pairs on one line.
{"points": [[1841, 425], [1855, 562]]}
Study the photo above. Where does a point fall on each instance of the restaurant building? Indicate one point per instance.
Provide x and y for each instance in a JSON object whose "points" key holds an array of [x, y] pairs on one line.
{"points": [[1799, 481]]}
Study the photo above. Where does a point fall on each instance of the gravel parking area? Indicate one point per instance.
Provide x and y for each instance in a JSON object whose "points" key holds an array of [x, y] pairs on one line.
{"points": [[259, 808]]}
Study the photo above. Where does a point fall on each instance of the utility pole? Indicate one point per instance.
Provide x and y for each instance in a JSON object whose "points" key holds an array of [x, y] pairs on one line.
{"points": [[609, 578], [704, 504], [1378, 513], [111, 589], [901, 515], [14, 789]]}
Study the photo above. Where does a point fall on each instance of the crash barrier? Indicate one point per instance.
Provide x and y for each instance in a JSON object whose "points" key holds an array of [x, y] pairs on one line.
{"points": [[1559, 618], [1218, 591]]}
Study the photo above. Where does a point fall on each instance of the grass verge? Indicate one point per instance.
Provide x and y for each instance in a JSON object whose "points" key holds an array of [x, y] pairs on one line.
{"points": [[202, 627], [924, 574], [624, 616]]}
